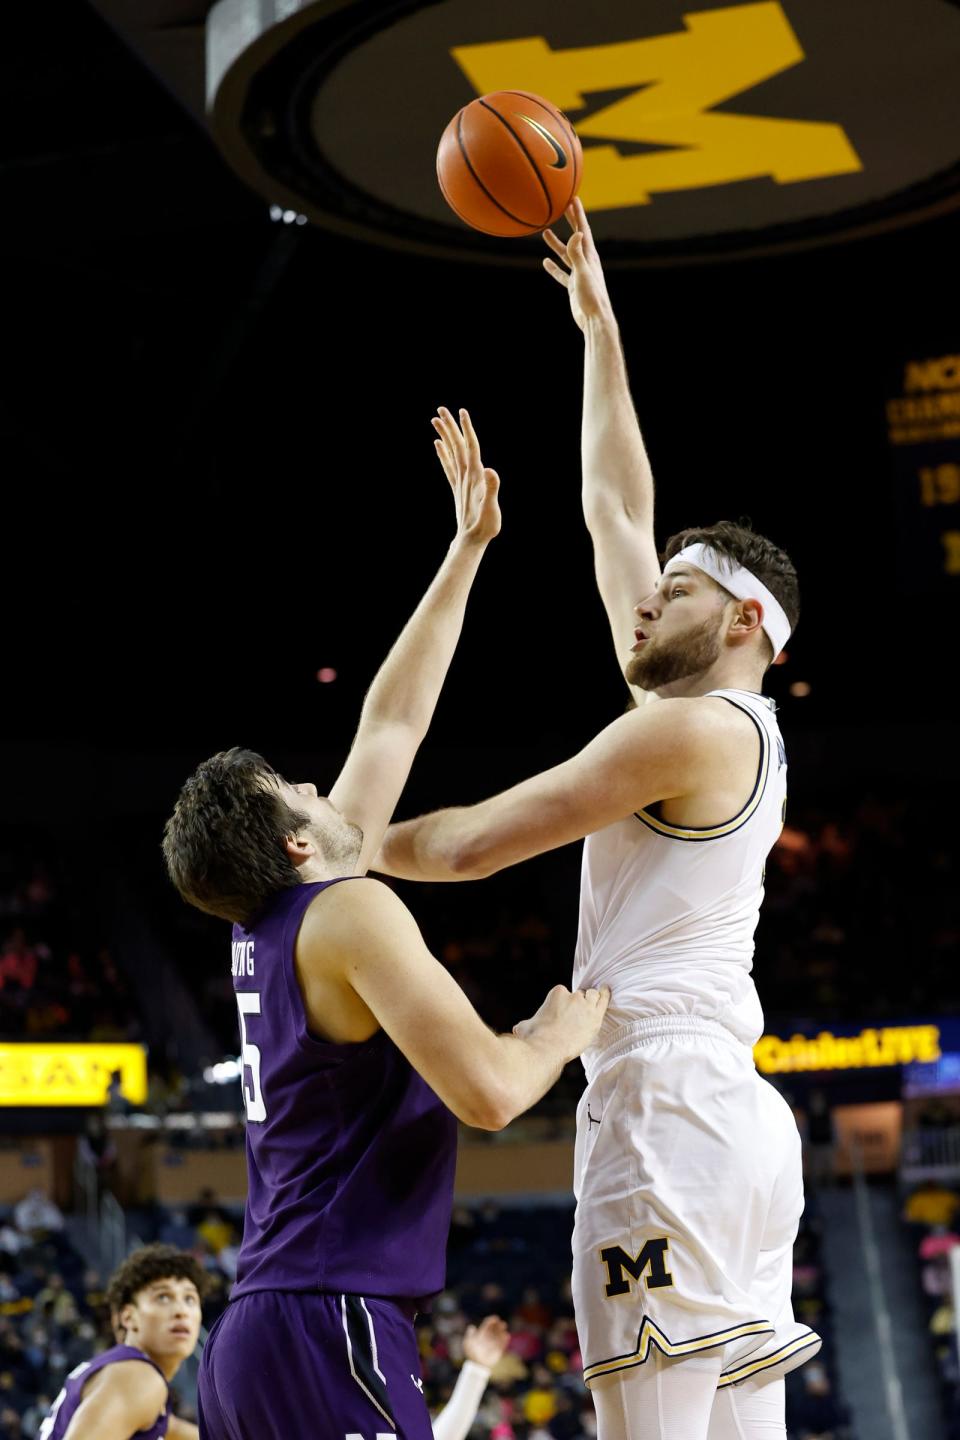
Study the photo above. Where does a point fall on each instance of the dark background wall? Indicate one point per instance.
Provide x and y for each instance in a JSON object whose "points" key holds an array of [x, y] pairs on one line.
{"points": [[219, 476]]}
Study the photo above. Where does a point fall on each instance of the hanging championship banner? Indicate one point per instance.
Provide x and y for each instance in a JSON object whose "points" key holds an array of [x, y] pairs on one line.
{"points": [[70, 1074], [923, 432]]}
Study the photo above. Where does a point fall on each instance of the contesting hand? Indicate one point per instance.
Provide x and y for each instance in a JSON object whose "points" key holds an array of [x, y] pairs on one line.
{"points": [[567, 1022], [474, 487], [485, 1343], [584, 281]]}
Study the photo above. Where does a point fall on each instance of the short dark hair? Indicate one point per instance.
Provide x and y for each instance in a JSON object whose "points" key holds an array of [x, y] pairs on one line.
{"points": [[741, 543], [147, 1265], [223, 844]]}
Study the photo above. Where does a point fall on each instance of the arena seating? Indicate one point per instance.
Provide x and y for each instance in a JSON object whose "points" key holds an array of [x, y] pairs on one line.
{"points": [[58, 979], [932, 1211], [509, 1261]]}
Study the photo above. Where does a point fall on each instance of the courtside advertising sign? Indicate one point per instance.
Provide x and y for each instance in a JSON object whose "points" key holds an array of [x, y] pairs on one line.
{"points": [[870, 1048], [55, 1075]]}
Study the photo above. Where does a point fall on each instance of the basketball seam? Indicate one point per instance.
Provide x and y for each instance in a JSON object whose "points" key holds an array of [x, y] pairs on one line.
{"points": [[574, 151], [554, 114], [492, 198], [533, 164], [459, 213], [443, 190]]}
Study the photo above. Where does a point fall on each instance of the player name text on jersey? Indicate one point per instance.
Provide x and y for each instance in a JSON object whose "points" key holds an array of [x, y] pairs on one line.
{"points": [[242, 957]]}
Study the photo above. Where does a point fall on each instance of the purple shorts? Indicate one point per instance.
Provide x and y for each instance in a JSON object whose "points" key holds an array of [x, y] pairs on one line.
{"points": [[281, 1365]]}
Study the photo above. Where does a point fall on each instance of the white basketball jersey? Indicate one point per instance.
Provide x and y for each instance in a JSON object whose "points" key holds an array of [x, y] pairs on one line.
{"points": [[668, 913]]}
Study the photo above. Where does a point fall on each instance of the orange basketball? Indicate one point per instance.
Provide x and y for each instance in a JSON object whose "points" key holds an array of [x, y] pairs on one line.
{"points": [[509, 163]]}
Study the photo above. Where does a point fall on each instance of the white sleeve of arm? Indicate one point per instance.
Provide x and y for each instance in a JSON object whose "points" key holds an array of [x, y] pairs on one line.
{"points": [[460, 1411]]}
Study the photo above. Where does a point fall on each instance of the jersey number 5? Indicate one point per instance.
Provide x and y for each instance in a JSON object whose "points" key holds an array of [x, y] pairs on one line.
{"points": [[248, 1003]]}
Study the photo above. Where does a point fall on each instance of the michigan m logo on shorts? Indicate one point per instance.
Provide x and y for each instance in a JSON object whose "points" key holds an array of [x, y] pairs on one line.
{"points": [[668, 86], [651, 1257]]}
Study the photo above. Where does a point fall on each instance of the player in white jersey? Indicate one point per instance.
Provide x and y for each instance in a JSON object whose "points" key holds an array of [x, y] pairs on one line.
{"points": [[687, 1168]]}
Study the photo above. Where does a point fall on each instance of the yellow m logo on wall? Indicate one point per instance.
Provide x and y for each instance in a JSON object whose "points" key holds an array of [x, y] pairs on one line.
{"points": [[674, 80]]}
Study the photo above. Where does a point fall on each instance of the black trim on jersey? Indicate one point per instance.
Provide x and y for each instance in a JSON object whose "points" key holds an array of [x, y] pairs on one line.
{"points": [[650, 1335], [750, 1367], [729, 827], [363, 1366]]}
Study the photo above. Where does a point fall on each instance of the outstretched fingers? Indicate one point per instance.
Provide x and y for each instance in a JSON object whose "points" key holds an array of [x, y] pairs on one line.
{"points": [[555, 244], [447, 428], [470, 436], [580, 225], [443, 455], [562, 276]]}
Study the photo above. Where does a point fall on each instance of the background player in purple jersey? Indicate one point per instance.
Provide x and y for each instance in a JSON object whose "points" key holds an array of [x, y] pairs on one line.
{"points": [[155, 1298], [359, 1051]]}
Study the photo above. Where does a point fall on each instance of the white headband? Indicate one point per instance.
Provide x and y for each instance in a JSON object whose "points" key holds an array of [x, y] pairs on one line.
{"points": [[742, 584]]}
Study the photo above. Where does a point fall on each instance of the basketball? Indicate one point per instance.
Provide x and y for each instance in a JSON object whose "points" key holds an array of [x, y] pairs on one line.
{"points": [[509, 163]]}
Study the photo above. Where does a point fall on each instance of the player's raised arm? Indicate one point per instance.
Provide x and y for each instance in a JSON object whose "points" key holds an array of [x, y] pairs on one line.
{"points": [[483, 1346], [127, 1398], [400, 703], [364, 936], [655, 753], [617, 478]]}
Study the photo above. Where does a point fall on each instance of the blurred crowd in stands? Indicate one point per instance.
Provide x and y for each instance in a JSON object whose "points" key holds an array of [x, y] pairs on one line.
{"points": [[862, 912], [58, 980], [932, 1212], [861, 922], [510, 1262], [53, 1310], [51, 1313]]}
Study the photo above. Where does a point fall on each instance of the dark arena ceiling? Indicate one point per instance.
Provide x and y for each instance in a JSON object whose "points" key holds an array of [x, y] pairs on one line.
{"points": [[710, 129], [216, 420]]}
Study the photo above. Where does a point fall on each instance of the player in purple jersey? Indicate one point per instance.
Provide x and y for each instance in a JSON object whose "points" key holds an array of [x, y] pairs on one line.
{"points": [[359, 1051], [155, 1298]]}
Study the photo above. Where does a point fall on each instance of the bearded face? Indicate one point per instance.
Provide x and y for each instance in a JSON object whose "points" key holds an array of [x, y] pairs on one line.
{"points": [[338, 841], [662, 661]]}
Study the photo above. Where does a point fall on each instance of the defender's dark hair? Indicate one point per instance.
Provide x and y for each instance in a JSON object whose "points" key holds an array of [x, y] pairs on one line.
{"points": [[223, 844], [740, 543], [149, 1264]]}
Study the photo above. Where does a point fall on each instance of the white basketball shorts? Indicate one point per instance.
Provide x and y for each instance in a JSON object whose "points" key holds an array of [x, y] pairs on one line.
{"points": [[689, 1194]]}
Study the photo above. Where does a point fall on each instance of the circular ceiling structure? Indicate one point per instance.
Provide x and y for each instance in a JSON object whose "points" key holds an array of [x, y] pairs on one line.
{"points": [[710, 130]]}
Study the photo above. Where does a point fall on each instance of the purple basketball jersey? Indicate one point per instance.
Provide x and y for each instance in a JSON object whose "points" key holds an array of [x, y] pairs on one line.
{"points": [[350, 1154], [68, 1401]]}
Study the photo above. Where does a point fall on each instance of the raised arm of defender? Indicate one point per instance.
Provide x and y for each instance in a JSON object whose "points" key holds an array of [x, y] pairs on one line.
{"points": [[400, 703], [617, 478], [618, 508]]}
